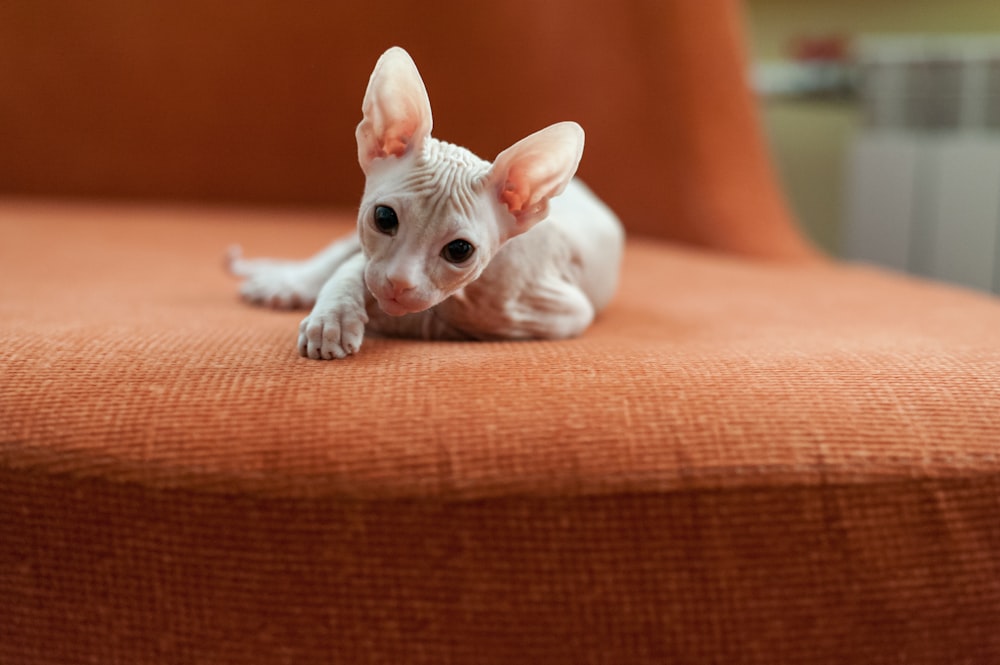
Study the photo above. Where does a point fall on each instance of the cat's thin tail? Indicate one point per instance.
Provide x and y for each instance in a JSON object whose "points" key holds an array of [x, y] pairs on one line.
{"points": [[233, 261], [238, 266]]}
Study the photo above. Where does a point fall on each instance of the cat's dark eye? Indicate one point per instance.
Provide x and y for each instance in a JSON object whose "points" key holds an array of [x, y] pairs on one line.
{"points": [[457, 251], [385, 220]]}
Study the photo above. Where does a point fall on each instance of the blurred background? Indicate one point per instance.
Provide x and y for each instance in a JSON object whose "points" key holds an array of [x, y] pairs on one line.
{"points": [[883, 117]]}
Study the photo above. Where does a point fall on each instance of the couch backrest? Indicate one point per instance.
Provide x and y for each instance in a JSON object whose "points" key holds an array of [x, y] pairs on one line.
{"points": [[256, 101]]}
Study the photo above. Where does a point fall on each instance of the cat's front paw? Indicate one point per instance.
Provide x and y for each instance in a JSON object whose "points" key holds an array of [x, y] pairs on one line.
{"points": [[332, 333]]}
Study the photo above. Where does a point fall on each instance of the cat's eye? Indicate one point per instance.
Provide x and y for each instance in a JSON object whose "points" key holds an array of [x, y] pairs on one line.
{"points": [[385, 220], [457, 251]]}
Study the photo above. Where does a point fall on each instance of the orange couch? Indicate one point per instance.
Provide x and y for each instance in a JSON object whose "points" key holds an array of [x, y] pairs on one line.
{"points": [[756, 455]]}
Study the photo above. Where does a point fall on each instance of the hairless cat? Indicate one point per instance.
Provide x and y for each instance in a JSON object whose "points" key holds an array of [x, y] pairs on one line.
{"points": [[449, 246]]}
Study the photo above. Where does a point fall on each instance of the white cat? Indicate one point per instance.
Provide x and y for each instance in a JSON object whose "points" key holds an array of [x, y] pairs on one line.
{"points": [[448, 245]]}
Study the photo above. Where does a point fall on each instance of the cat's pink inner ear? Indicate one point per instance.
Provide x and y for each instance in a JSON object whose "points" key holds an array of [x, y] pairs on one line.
{"points": [[514, 196], [535, 169], [396, 111], [394, 143]]}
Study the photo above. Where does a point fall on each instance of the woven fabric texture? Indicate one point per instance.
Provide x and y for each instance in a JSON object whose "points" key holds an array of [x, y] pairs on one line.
{"points": [[739, 462]]}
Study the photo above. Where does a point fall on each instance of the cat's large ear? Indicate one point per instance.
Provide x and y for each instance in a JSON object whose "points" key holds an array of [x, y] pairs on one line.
{"points": [[397, 112], [529, 173]]}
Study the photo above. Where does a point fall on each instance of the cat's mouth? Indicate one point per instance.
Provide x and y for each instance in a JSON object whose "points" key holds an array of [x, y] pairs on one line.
{"points": [[396, 306]]}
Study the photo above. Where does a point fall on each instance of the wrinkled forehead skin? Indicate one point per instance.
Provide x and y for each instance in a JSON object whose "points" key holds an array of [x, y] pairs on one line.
{"points": [[443, 184], [448, 176]]}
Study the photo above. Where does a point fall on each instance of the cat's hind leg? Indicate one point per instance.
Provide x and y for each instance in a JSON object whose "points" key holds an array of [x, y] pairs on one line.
{"points": [[549, 308], [283, 284], [552, 309]]}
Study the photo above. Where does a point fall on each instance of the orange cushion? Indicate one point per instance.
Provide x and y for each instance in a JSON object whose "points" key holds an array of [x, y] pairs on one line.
{"points": [[738, 458]]}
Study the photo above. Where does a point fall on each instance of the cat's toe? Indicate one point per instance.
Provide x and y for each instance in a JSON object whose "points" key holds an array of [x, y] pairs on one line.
{"points": [[278, 290], [284, 300], [268, 292], [311, 337], [352, 333], [331, 347], [254, 291], [329, 336]]}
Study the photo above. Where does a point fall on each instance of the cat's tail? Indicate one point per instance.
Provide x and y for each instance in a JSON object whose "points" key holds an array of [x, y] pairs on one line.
{"points": [[233, 261], [237, 266]]}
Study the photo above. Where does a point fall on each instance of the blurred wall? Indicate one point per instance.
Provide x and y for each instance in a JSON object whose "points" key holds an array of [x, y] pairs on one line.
{"points": [[257, 100], [809, 138], [774, 22], [186, 99]]}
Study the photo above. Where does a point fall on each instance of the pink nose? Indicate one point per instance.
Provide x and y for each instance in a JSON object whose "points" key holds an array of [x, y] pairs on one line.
{"points": [[399, 285]]}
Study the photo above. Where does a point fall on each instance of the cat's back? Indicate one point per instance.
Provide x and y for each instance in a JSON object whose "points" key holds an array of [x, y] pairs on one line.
{"points": [[581, 241], [596, 238]]}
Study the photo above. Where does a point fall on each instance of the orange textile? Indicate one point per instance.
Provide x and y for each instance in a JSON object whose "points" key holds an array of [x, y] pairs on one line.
{"points": [[739, 462], [742, 461]]}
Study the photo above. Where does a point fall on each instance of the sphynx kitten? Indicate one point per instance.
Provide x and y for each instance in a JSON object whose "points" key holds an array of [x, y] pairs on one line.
{"points": [[449, 246]]}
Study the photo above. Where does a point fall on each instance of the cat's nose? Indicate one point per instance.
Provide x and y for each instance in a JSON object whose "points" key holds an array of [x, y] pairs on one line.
{"points": [[399, 285]]}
